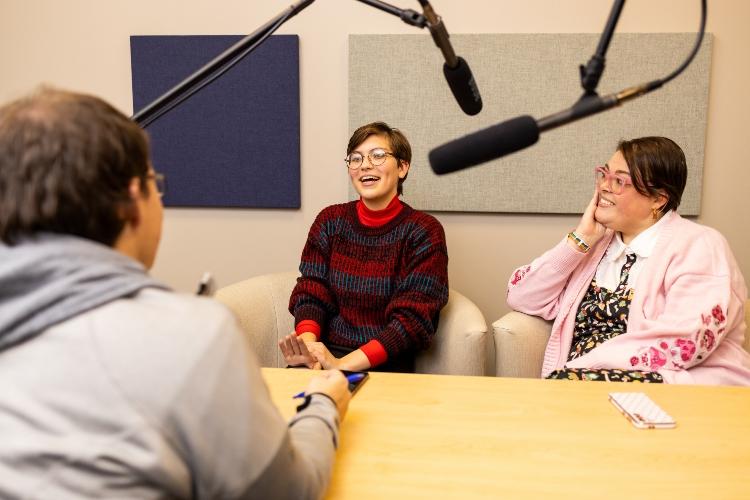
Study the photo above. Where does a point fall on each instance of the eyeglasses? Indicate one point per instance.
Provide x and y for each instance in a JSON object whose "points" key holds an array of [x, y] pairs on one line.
{"points": [[376, 156], [616, 182], [160, 180]]}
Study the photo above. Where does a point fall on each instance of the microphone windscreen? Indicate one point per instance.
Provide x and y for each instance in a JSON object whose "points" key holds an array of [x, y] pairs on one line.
{"points": [[464, 88], [484, 145]]}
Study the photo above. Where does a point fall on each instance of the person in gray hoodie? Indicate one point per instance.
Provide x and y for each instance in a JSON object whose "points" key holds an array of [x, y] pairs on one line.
{"points": [[111, 385]]}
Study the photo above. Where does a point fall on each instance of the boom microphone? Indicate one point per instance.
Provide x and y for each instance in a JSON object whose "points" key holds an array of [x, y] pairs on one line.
{"points": [[519, 133], [456, 69], [485, 145]]}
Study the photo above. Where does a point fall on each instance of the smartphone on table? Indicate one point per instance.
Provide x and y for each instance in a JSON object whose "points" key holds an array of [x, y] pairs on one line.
{"points": [[356, 379], [642, 412]]}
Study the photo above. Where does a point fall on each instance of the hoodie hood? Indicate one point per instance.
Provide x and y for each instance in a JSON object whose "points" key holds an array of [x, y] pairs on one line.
{"points": [[51, 278]]}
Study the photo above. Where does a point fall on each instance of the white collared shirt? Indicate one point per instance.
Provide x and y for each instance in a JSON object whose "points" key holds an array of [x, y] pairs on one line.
{"points": [[608, 271]]}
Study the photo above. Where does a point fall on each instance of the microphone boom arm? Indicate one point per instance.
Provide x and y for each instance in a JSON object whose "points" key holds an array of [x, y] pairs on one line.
{"points": [[592, 104], [227, 59], [214, 68], [409, 16], [592, 72], [439, 34]]}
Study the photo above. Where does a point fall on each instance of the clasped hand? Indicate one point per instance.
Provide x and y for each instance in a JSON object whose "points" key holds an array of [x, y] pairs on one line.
{"points": [[314, 355]]}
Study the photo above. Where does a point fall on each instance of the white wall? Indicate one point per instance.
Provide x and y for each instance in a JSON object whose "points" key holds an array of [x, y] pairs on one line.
{"points": [[83, 45]]}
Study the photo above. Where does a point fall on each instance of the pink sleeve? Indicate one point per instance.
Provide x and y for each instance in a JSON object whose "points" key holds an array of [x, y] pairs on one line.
{"points": [[536, 288]]}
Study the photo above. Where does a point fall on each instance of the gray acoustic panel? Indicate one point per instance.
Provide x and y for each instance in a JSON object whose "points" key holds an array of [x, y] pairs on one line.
{"points": [[398, 79]]}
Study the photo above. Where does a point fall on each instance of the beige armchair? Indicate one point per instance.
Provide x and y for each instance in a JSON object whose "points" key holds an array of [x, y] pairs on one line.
{"points": [[520, 340], [461, 345]]}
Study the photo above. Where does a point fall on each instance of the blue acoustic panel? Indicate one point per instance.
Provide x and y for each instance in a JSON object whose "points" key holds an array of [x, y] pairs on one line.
{"points": [[236, 142]]}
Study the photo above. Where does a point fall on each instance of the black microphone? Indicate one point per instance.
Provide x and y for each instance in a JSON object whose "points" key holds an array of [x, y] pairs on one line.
{"points": [[521, 132], [456, 69], [485, 145]]}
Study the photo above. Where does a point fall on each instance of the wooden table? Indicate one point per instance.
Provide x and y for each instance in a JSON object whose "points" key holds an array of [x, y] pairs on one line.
{"points": [[434, 436]]}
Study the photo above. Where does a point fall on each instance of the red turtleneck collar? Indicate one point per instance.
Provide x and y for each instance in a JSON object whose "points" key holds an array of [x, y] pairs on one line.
{"points": [[375, 218]]}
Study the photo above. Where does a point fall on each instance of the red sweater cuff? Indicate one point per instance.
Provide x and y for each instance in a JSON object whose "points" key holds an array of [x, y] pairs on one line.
{"points": [[375, 353], [308, 325]]}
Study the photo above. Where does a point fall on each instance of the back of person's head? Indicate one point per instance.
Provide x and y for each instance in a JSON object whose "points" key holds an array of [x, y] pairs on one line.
{"points": [[657, 165], [400, 146], [66, 162]]}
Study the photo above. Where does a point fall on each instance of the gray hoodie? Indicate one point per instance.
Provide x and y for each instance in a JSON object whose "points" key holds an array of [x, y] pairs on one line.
{"points": [[51, 278], [113, 387]]}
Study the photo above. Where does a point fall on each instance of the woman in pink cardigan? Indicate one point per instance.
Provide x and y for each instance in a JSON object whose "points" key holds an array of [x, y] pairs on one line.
{"points": [[637, 292]]}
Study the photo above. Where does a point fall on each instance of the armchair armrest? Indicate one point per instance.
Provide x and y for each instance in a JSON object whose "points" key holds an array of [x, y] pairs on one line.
{"points": [[520, 341], [461, 341], [260, 305]]}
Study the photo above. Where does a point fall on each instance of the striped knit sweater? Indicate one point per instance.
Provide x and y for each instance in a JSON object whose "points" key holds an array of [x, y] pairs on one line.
{"points": [[378, 287]]}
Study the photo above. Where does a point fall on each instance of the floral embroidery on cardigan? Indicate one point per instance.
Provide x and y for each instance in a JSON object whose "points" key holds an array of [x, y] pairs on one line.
{"points": [[519, 274], [707, 340], [718, 315], [683, 351], [649, 358]]}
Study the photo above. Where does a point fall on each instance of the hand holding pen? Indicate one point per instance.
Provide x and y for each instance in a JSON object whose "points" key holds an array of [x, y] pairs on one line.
{"points": [[351, 379], [333, 384]]}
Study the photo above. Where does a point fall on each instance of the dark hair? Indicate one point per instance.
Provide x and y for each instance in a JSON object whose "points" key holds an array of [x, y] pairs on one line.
{"points": [[399, 144], [66, 161], [657, 166]]}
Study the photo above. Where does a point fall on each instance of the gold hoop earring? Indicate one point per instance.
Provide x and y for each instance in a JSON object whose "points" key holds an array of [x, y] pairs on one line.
{"points": [[655, 213]]}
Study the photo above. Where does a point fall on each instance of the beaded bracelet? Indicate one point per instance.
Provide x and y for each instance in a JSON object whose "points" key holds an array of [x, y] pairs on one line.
{"points": [[579, 241]]}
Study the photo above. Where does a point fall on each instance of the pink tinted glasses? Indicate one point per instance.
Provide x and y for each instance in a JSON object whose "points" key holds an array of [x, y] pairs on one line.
{"points": [[615, 182]]}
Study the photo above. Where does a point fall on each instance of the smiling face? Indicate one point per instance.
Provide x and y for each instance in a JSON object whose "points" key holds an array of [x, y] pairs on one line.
{"points": [[377, 185], [629, 212]]}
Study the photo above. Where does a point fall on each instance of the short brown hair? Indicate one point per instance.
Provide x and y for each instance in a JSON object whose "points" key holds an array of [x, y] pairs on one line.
{"points": [[657, 166], [66, 161], [400, 146]]}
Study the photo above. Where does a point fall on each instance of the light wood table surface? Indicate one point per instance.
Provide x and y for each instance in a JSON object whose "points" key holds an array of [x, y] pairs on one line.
{"points": [[436, 436]]}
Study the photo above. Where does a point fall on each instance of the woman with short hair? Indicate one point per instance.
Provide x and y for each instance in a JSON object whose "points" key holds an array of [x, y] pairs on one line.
{"points": [[374, 272], [638, 293]]}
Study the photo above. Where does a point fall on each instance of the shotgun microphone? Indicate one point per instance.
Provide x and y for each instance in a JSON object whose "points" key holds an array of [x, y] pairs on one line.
{"points": [[484, 145], [521, 132], [456, 69]]}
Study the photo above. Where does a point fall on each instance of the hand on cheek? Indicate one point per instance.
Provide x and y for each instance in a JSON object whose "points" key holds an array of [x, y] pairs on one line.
{"points": [[589, 228]]}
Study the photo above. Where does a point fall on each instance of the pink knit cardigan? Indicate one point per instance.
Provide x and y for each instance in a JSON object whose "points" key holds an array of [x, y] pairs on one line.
{"points": [[686, 318]]}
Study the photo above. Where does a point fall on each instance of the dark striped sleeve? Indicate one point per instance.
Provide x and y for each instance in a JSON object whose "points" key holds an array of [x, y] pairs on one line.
{"points": [[312, 298], [421, 293]]}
